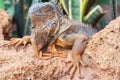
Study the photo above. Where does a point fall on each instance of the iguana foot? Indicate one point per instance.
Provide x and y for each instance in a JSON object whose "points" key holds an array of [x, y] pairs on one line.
{"points": [[60, 54], [56, 53], [44, 56], [19, 41], [74, 65]]}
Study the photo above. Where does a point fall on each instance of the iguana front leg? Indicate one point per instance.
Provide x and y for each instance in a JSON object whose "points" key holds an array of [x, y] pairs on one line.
{"points": [[38, 51], [75, 61], [26, 40]]}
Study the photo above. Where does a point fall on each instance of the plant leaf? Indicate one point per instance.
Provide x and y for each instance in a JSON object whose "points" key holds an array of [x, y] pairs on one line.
{"points": [[65, 5], [74, 9], [113, 9], [2, 5], [28, 22], [94, 16], [89, 5]]}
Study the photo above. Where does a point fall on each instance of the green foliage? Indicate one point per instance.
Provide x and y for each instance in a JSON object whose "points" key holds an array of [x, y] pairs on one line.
{"points": [[94, 16], [2, 5], [89, 4], [113, 9], [65, 5], [7, 5], [27, 24], [82, 10], [19, 17], [74, 9]]}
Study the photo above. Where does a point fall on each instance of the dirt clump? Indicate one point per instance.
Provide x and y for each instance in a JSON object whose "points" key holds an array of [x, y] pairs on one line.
{"points": [[104, 51], [5, 25]]}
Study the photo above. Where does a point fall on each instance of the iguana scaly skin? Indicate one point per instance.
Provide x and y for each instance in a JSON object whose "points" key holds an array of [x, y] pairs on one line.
{"points": [[50, 28]]}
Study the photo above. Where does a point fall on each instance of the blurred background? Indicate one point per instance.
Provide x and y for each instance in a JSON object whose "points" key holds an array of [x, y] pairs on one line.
{"points": [[92, 12]]}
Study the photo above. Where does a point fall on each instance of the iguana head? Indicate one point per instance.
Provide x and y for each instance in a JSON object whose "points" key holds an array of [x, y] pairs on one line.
{"points": [[45, 16]]}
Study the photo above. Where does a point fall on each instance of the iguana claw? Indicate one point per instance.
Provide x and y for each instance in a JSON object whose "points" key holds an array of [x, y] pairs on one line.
{"points": [[75, 65], [19, 41]]}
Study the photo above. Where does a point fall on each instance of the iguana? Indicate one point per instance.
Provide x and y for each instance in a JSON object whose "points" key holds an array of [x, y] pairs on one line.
{"points": [[50, 28]]}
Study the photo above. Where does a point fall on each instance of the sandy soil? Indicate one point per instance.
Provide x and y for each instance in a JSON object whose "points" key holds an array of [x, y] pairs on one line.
{"points": [[5, 25], [23, 65]]}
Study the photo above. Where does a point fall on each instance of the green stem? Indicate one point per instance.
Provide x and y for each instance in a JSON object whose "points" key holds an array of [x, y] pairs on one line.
{"points": [[19, 17], [113, 9], [2, 5], [28, 22]]}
